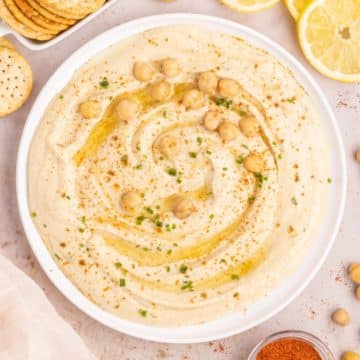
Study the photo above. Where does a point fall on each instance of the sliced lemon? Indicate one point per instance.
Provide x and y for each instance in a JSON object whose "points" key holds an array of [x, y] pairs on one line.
{"points": [[329, 34], [249, 5], [296, 7]]}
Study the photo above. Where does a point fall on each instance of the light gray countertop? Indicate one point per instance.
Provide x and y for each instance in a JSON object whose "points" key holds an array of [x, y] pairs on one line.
{"points": [[310, 311]]}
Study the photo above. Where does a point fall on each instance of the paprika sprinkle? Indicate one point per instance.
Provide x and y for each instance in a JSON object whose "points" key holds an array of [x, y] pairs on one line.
{"points": [[288, 349]]}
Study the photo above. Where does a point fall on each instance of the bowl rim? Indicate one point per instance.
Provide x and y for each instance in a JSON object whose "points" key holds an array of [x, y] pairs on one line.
{"points": [[214, 329]]}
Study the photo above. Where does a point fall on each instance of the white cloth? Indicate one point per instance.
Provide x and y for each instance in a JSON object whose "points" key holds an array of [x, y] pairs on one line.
{"points": [[30, 328]]}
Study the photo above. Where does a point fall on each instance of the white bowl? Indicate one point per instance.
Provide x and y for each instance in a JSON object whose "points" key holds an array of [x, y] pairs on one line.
{"points": [[231, 323]]}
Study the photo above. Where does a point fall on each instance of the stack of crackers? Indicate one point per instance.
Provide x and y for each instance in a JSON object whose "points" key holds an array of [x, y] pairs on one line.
{"points": [[15, 78], [44, 19]]}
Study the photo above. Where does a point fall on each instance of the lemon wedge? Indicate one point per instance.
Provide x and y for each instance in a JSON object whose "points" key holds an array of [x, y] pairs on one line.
{"points": [[296, 7], [249, 5], [329, 34]]}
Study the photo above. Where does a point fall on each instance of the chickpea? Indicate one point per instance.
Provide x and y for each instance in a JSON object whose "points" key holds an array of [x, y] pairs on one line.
{"points": [[357, 156], [143, 71], [170, 67], [90, 109], [193, 99], [227, 131], [168, 146], [341, 317], [354, 272], [254, 163], [207, 82], [212, 120], [131, 201], [350, 355], [160, 91], [357, 292], [249, 126], [183, 207], [228, 87], [127, 109]]}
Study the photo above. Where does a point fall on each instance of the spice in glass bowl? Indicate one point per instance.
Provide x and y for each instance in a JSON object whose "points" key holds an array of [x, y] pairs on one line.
{"points": [[291, 345], [288, 349]]}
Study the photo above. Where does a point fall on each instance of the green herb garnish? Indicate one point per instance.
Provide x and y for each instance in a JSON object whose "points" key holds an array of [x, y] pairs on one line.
{"points": [[118, 265], [171, 171], [223, 101], [235, 277], [122, 282], [104, 83], [192, 154], [187, 285], [142, 312], [183, 268]]}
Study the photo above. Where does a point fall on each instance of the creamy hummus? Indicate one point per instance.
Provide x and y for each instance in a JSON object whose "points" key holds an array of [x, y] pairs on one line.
{"points": [[160, 215]]}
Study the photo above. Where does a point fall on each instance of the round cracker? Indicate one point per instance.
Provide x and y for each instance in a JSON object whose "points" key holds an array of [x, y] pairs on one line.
{"points": [[37, 18], [49, 15], [74, 9], [10, 20], [4, 42], [15, 81], [20, 16]]}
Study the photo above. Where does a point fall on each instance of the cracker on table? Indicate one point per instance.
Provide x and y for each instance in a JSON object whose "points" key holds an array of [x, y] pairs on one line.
{"points": [[37, 18], [74, 9], [4, 42], [15, 80], [49, 15], [20, 16], [22, 29]]}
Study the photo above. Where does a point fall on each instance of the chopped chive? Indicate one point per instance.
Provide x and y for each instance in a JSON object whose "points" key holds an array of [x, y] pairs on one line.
{"points": [[122, 282], [33, 214], [192, 154], [140, 219], [187, 285], [183, 268], [104, 83], [199, 140], [118, 264], [292, 100], [235, 277], [167, 268], [239, 159], [171, 171], [142, 312], [223, 101]]}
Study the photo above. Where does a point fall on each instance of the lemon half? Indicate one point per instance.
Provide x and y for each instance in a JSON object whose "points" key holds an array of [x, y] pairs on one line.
{"points": [[329, 34], [296, 7], [249, 5]]}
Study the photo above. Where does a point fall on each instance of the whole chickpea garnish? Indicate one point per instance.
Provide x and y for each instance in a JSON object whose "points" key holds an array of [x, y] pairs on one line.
{"points": [[170, 67], [131, 201], [228, 88], [212, 120], [254, 163], [228, 131], [249, 126], [143, 71], [193, 99], [160, 91], [183, 207], [127, 109], [207, 82], [90, 109]]}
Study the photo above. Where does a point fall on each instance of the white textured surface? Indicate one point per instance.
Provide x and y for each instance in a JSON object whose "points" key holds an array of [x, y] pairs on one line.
{"points": [[309, 312]]}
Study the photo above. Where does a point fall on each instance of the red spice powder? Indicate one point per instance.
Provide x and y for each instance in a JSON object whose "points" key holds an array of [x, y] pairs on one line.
{"points": [[288, 349]]}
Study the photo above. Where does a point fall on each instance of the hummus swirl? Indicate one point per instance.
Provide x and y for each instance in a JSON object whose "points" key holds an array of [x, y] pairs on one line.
{"points": [[181, 174]]}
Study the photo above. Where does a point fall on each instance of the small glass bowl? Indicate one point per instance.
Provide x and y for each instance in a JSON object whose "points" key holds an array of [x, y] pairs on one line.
{"points": [[318, 344]]}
